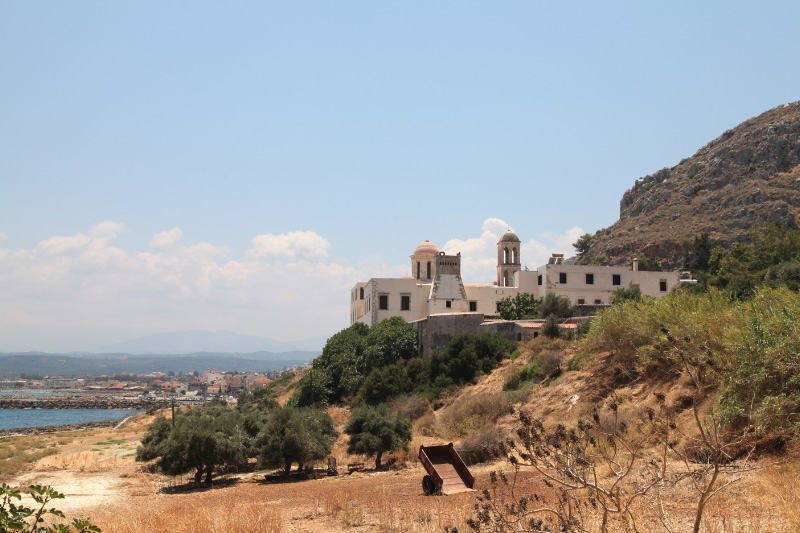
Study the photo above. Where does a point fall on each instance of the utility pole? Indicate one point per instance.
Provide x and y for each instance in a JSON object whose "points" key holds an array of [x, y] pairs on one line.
{"points": [[312, 383]]}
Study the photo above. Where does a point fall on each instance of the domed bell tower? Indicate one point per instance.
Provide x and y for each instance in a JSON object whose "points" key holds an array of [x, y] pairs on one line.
{"points": [[507, 259]]}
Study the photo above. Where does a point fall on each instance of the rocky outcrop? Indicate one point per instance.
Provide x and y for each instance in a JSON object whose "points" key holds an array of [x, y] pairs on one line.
{"points": [[83, 403], [747, 175]]}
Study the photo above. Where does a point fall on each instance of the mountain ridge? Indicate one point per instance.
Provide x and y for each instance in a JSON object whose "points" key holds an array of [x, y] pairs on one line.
{"points": [[197, 340], [16, 363], [750, 174]]}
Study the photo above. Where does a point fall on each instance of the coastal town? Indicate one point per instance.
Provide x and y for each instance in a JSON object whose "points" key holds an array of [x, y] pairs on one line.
{"points": [[154, 385]]}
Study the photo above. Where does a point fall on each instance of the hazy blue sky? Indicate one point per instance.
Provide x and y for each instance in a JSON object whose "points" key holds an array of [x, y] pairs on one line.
{"points": [[176, 165]]}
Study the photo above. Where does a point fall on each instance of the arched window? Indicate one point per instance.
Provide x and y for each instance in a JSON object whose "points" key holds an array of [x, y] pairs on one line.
{"points": [[514, 258], [418, 267], [505, 279], [429, 270], [505, 256], [362, 293]]}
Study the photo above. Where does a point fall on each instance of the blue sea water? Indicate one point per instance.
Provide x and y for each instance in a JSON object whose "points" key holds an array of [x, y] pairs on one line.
{"points": [[31, 393], [24, 418]]}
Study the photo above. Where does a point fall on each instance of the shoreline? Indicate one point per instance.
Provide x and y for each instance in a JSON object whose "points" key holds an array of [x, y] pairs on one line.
{"points": [[46, 430]]}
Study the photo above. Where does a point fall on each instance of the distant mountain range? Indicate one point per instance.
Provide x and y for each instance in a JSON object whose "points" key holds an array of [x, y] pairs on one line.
{"points": [[15, 364], [196, 340]]}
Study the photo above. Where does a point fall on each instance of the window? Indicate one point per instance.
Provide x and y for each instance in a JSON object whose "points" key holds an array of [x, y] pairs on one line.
{"points": [[662, 285], [562, 277], [616, 279], [498, 306], [598, 302], [590, 279], [581, 301], [429, 270], [473, 306], [448, 304], [405, 302], [540, 279], [362, 293], [418, 268], [383, 301]]}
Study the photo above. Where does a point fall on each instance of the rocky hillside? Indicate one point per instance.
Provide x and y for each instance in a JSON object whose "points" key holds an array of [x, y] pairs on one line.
{"points": [[748, 174]]}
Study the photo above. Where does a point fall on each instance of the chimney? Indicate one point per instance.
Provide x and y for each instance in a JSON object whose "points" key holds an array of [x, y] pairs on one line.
{"points": [[636, 264]]}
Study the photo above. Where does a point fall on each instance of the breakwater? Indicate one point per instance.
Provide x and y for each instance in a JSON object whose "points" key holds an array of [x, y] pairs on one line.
{"points": [[84, 403], [43, 430]]}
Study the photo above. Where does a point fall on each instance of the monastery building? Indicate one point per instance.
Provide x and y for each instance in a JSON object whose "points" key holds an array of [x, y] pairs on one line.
{"points": [[435, 286]]}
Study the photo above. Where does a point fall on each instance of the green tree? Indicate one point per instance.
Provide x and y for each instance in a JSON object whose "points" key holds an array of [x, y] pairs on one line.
{"points": [[697, 252], [293, 435], [384, 383], [202, 440], [554, 304], [350, 355], [315, 388], [634, 294], [467, 355], [390, 341], [786, 273], [338, 371], [376, 430], [584, 243], [550, 327], [523, 305]]}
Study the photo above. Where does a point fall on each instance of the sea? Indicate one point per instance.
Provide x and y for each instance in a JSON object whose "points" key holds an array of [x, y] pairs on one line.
{"points": [[29, 418]]}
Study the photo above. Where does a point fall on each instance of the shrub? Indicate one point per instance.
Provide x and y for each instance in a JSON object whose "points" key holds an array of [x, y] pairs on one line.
{"points": [[752, 348], [550, 327], [634, 294], [482, 445], [554, 304], [473, 413], [15, 517], [411, 407]]}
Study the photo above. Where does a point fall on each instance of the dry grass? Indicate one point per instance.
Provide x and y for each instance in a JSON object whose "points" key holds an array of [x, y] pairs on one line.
{"points": [[19, 453], [223, 513], [781, 485]]}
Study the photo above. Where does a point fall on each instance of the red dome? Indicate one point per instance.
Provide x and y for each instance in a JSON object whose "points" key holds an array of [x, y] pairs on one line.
{"points": [[426, 248]]}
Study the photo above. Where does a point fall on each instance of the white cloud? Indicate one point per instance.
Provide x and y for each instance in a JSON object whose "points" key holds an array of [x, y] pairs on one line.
{"points": [[106, 230], [77, 292], [295, 244], [166, 239], [479, 254]]}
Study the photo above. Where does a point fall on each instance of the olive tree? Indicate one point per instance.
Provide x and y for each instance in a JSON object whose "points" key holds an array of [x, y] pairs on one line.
{"points": [[375, 430], [295, 435], [202, 440]]}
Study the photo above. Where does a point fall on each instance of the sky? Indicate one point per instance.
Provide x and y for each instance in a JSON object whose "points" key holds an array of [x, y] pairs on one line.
{"points": [[167, 166]]}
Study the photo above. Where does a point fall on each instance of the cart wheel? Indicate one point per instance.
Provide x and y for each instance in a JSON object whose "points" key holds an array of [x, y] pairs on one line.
{"points": [[428, 486]]}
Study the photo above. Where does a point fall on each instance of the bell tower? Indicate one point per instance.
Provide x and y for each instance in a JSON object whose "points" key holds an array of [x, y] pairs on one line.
{"points": [[507, 259]]}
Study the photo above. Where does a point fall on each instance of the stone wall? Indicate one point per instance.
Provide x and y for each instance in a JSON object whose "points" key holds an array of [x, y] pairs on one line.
{"points": [[83, 403], [434, 332]]}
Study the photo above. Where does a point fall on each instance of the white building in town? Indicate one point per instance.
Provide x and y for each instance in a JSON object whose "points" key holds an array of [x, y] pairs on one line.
{"points": [[435, 286]]}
